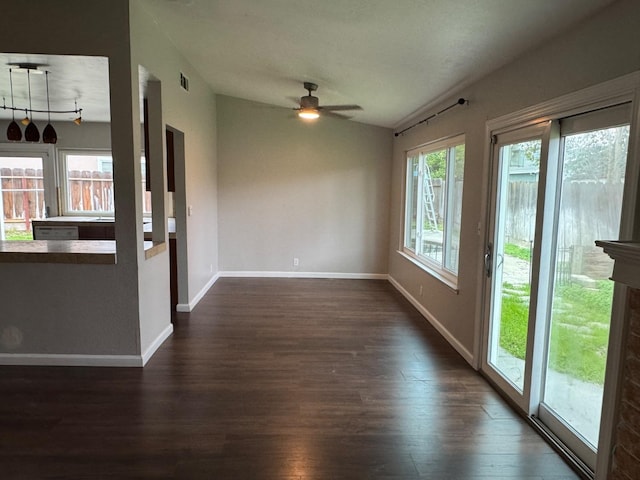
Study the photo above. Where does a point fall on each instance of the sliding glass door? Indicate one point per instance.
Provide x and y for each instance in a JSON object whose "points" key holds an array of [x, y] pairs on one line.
{"points": [[557, 187], [509, 255], [589, 204]]}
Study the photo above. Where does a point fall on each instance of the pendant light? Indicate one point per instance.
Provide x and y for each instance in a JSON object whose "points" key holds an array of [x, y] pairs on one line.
{"points": [[14, 134], [31, 133], [49, 134]]}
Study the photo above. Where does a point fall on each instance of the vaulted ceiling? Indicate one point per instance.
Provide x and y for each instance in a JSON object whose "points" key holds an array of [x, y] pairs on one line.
{"points": [[390, 57], [393, 58]]}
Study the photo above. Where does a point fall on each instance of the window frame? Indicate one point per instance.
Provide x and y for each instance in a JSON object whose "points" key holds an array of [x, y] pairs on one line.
{"points": [[63, 183], [47, 153], [415, 255]]}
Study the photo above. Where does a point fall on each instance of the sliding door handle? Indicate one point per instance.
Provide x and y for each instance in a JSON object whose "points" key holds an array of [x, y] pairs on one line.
{"points": [[488, 259]]}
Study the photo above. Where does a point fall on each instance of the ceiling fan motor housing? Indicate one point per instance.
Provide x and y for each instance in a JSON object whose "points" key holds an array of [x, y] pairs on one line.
{"points": [[309, 101]]}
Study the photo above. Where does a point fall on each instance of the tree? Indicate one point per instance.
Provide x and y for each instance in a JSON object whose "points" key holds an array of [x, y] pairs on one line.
{"points": [[599, 155]]}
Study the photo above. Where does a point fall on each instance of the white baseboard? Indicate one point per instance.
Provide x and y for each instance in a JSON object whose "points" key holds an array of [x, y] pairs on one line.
{"points": [[70, 360], [466, 354], [148, 353], [188, 307], [351, 276], [81, 360]]}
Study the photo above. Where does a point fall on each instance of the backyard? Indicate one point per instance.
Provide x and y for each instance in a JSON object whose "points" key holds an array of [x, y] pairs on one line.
{"points": [[580, 324], [14, 234]]}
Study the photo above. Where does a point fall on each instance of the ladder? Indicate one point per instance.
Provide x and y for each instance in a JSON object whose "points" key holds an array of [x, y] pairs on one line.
{"points": [[428, 200]]}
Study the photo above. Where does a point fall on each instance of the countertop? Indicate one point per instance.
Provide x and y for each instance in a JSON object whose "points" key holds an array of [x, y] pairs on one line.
{"points": [[59, 251]]}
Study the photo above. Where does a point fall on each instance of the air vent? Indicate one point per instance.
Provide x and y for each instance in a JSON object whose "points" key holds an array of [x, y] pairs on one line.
{"points": [[184, 82]]}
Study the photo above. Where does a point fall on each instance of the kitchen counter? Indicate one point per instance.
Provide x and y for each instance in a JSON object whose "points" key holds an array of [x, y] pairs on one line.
{"points": [[96, 252], [59, 251]]}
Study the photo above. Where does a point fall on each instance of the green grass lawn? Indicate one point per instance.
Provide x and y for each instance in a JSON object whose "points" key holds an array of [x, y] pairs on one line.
{"points": [[579, 333], [18, 235], [523, 253]]}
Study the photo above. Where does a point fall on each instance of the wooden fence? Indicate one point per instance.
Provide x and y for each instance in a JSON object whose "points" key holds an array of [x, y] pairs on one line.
{"points": [[589, 211], [90, 191], [23, 194]]}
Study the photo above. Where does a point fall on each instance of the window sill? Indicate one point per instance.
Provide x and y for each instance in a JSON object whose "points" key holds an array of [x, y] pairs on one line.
{"points": [[434, 273]]}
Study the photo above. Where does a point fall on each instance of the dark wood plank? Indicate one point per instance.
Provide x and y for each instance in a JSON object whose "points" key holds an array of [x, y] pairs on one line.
{"points": [[275, 379]]}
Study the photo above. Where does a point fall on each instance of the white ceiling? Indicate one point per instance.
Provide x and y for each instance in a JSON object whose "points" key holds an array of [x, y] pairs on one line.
{"points": [[84, 80], [393, 58]]}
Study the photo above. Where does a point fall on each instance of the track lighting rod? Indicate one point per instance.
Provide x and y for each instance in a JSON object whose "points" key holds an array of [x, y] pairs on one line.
{"points": [[33, 110], [461, 101]]}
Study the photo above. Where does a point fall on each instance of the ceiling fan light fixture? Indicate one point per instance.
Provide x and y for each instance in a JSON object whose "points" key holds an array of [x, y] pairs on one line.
{"points": [[309, 106], [308, 113]]}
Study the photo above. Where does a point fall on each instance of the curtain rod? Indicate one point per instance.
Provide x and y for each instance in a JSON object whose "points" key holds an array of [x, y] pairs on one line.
{"points": [[461, 101]]}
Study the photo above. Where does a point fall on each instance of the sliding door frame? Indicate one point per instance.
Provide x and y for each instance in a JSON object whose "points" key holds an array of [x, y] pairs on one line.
{"points": [[620, 90]]}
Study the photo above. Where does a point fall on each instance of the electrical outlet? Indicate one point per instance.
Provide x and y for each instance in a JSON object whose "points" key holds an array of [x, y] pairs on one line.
{"points": [[296, 261]]}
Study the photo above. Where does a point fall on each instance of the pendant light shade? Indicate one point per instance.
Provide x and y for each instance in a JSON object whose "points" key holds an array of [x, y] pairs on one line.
{"points": [[31, 133], [49, 134], [14, 134]]}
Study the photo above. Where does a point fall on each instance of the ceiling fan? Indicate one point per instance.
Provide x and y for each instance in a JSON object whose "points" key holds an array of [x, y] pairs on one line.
{"points": [[310, 109]]}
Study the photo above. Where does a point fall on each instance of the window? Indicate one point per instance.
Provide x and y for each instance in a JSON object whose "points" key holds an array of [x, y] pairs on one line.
{"points": [[433, 206], [87, 183], [27, 188]]}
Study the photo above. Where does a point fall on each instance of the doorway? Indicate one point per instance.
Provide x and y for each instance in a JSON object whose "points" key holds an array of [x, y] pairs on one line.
{"points": [[557, 186], [177, 199]]}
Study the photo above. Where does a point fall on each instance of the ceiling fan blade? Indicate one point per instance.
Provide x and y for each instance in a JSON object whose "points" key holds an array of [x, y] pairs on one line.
{"points": [[337, 108], [328, 113]]}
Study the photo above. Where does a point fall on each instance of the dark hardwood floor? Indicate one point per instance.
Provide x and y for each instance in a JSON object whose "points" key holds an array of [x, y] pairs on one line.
{"points": [[275, 379]]}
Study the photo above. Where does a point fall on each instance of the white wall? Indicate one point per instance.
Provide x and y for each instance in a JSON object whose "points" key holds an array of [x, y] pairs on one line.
{"points": [[69, 313], [194, 114], [316, 191], [139, 288], [136, 290], [602, 48]]}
